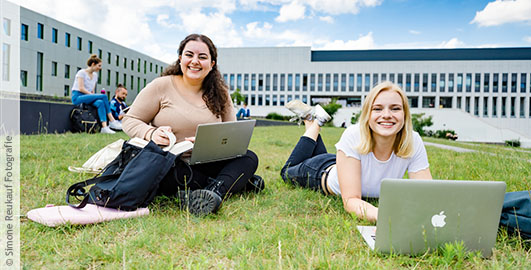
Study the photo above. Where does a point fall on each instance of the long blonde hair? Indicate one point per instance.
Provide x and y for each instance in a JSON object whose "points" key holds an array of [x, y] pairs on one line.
{"points": [[403, 146]]}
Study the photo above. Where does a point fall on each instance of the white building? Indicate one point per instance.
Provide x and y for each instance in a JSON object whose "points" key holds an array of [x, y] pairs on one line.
{"points": [[492, 85]]}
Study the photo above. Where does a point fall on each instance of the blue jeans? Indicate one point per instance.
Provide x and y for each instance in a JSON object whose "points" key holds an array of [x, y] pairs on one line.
{"points": [[99, 101], [307, 163]]}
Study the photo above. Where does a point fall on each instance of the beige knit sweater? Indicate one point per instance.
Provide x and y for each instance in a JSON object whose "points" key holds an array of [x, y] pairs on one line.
{"points": [[161, 104]]}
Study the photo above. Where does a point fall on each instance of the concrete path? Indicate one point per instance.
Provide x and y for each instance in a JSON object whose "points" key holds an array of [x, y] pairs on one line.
{"points": [[465, 150]]}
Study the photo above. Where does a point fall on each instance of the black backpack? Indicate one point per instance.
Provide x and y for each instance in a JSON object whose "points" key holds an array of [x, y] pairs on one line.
{"points": [[130, 181], [84, 118], [516, 213]]}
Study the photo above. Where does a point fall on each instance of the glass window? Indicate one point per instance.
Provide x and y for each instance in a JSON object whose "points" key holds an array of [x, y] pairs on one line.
{"points": [[392, 77], [485, 106], [137, 84], [54, 35], [523, 81], [374, 78], [513, 106], [459, 82], [40, 31], [486, 82], [108, 77], [40, 58], [504, 83], [261, 82], [522, 106], [513, 82], [297, 82], [79, 43], [246, 82], [336, 82], [413, 102], [459, 102], [351, 82], [424, 82], [24, 78], [117, 58], [267, 100], [428, 102], [327, 82], [400, 81], [150, 67], [451, 84], [54, 68], [67, 71], [138, 66], [416, 82], [90, 46], [476, 106], [384, 77], [433, 84], [24, 32], [304, 82], [312, 82], [503, 106], [66, 92], [67, 40], [117, 78], [408, 82], [320, 82], [495, 83], [145, 66], [282, 100], [260, 100], [6, 59], [468, 82], [477, 82], [239, 81], [99, 76], [367, 82], [289, 98], [442, 82], [231, 81], [494, 107], [275, 100], [467, 104], [125, 80], [253, 82], [133, 66], [343, 82], [7, 26], [359, 83], [304, 99], [445, 102]]}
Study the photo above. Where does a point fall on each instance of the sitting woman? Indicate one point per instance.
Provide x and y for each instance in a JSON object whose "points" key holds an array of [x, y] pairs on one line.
{"points": [[382, 145], [192, 92], [83, 92]]}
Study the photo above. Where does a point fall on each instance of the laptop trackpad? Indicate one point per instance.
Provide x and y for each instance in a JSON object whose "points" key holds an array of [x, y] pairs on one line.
{"points": [[369, 234]]}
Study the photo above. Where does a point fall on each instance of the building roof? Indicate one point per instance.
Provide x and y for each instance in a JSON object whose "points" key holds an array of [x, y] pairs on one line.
{"points": [[423, 55]]}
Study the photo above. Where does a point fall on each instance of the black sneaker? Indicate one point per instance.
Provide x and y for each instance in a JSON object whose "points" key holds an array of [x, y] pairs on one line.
{"points": [[203, 202], [254, 184]]}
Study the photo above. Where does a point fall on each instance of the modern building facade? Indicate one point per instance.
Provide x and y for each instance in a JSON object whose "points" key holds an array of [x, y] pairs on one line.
{"points": [[491, 84], [51, 53]]}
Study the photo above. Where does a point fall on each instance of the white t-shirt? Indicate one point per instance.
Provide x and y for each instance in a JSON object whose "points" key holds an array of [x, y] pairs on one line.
{"points": [[373, 171], [89, 83]]}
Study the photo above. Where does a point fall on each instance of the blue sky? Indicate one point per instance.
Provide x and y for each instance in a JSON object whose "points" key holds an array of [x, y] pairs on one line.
{"points": [[156, 27]]}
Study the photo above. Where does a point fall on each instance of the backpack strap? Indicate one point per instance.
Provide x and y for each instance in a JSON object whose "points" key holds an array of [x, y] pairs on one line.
{"points": [[77, 190]]}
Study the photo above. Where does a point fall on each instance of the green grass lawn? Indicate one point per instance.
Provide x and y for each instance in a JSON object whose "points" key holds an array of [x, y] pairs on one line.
{"points": [[281, 228]]}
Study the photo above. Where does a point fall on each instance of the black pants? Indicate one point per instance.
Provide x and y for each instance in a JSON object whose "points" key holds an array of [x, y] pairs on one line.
{"points": [[234, 173]]}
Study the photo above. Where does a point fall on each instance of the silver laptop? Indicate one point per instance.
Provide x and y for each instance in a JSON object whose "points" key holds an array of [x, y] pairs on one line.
{"points": [[220, 141], [415, 216]]}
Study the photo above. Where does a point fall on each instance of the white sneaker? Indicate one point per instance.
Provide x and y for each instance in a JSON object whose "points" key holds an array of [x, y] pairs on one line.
{"points": [[301, 110], [115, 125], [107, 130], [320, 115]]}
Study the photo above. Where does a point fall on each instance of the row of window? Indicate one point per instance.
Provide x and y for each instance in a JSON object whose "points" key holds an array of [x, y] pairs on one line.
{"points": [[24, 33], [39, 76], [409, 82], [479, 106]]}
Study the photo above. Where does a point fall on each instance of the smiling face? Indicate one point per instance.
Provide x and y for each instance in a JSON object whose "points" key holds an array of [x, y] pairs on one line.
{"points": [[387, 114], [195, 60]]}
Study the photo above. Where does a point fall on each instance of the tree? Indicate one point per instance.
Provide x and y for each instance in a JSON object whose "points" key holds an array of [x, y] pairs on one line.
{"points": [[355, 118], [237, 96], [332, 107], [419, 122]]}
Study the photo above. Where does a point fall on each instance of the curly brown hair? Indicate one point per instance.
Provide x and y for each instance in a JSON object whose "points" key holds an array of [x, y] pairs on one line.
{"points": [[215, 91]]}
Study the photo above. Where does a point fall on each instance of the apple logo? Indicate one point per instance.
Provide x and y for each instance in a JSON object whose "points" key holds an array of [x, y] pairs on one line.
{"points": [[438, 220]]}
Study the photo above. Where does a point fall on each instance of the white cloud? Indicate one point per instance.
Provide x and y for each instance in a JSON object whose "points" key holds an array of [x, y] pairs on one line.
{"points": [[451, 44], [217, 26], [164, 21], [362, 43], [340, 6], [327, 19], [527, 39], [291, 12], [414, 32], [502, 12]]}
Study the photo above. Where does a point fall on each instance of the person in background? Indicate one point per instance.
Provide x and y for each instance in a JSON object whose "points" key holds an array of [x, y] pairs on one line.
{"points": [[244, 112], [382, 145], [191, 92], [118, 102], [83, 92]]}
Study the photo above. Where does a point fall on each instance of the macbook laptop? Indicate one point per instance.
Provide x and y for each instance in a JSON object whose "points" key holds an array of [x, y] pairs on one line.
{"points": [[220, 141], [415, 216]]}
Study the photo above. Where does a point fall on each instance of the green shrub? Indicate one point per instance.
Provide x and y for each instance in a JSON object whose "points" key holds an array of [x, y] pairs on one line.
{"points": [[276, 116], [513, 143], [355, 118], [420, 122], [445, 134]]}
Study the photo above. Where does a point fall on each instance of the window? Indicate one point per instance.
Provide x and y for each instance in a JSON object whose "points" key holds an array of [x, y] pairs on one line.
{"points": [[408, 82], [6, 59], [433, 85], [424, 82], [40, 31], [133, 65], [253, 82], [297, 82], [413, 102], [268, 85], [99, 76], [239, 81], [383, 77], [282, 82], [67, 90], [145, 66], [485, 106], [459, 102], [351, 82], [282, 100], [477, 82], [343, 82], [79, 43], [40, 58], [67, 40], [67, 71], [513, 82], [100, 53], [125, 80], [392, 77], [90, 47], [138, 65], [290, 82], [7, 26], [416, 82], [246, 82], [442, 82], [132, 79], [304, 82], [336, 82], [359, 83], [24, 78], [467, 104], [150, 67], [54, 35], [476, 106], [24, 32], [117, 78], [275, 100], [494, 107], [231, 81], [109, 58], [495, 83], [523, 79], [267, 100], [117, 60], [503, 106], [504, 83], [459, 82], [54, 68], [260, 82], [260, 100], [486, 82], [522, 106], [108, 77], [367, 82], [451, 83], [400, 81], [468, 82], [327, 85], [320, 82], [445, 102], [428, 102], [138, 84], [312, 82]]}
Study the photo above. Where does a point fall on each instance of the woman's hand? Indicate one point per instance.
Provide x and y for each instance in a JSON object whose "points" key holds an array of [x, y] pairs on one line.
{"points": [[159, 137], [190, 139]]}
